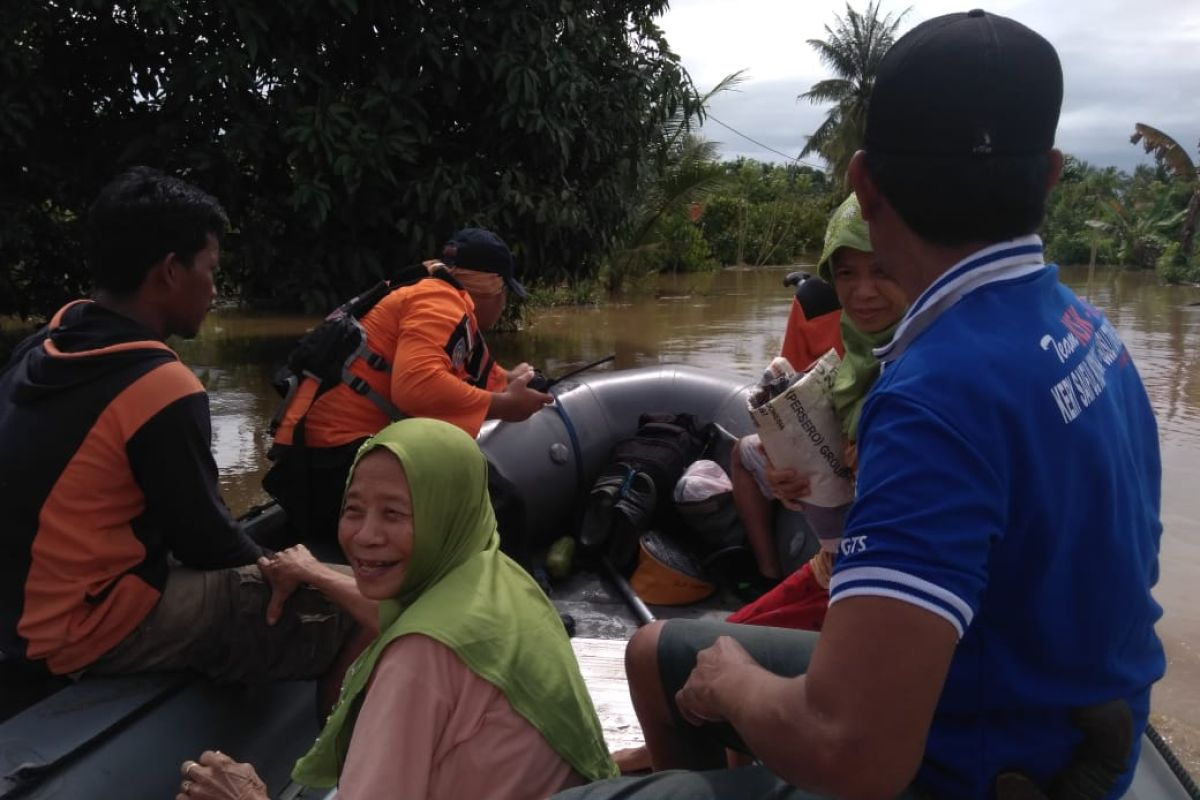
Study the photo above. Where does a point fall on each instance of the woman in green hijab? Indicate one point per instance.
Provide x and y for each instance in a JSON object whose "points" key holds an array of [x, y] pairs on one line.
{"points": [[471, 689], [872, 306]]}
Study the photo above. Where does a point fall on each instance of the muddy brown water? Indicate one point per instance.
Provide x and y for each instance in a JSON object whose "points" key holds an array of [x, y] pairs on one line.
{"points": [[733, 320]]}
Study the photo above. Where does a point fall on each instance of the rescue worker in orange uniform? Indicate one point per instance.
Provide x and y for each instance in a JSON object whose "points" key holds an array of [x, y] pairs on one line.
{"points": [[429, 334], [813, 322], [117, 554]]}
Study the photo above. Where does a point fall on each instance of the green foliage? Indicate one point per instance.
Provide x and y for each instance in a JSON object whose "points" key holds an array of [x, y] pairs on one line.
{"points": [[1077, 200], [767, 213], [1174, 267], [853, 49], [682, 172], [1176, 165], [1130, 219], [346, 138], [682, 247], [579, 291]]}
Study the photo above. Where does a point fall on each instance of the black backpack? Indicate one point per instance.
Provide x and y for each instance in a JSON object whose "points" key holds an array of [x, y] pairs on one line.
{"points": [[326, 352], [663, 447], [633, 493]]}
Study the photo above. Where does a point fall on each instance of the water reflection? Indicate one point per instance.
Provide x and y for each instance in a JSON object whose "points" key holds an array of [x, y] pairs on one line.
{"points": [[733, 320]]}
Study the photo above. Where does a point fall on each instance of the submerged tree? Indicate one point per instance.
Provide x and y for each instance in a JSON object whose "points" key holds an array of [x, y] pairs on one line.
{"points": [[1175, 159], [346, 138], [682, 170], [853, 49]]}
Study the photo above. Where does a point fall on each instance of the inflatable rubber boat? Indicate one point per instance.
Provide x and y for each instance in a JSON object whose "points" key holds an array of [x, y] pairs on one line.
{"points": [[125, 737]]}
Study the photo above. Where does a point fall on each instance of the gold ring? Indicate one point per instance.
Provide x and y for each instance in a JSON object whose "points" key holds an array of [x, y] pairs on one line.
{"points": [[191, 766]]}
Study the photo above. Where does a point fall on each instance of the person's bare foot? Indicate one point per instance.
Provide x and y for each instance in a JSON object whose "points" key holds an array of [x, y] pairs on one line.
{"points": [[632, 760]]}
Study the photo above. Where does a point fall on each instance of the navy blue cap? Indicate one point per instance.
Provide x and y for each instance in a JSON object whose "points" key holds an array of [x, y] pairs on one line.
{"points": [[483, 251], [971, 84]]}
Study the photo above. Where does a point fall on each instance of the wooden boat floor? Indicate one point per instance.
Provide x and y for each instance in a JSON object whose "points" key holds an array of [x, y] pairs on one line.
{"points": [[603, 626], [602, 662]]}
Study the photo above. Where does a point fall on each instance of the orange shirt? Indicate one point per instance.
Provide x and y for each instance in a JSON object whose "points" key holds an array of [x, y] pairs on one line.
{"points": [[806, 340], [441, 368]]}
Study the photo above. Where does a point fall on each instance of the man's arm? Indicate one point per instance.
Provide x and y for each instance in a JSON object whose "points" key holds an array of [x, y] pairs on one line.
{"points": [[424, 383], [855, 725], [172, 462], [913, 565], [287, 569]]}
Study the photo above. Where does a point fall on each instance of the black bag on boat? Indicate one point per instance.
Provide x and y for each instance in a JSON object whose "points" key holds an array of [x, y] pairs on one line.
{"points": [[633, 493], [663, 447]]}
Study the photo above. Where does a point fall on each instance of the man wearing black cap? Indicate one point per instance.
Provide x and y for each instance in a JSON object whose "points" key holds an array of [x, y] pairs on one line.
{"points": [[990, 630], [428, 338]]}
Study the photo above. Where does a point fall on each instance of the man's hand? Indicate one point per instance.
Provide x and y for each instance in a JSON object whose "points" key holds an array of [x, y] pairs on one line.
{"points": [[518, 402], [519, 370], [701, 699], [285, 571]]}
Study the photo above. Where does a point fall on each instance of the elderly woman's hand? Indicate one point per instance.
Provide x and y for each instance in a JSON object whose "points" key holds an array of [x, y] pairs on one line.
{"points": [[850, 456], [788, 486], [285, 571], [216, 776]]}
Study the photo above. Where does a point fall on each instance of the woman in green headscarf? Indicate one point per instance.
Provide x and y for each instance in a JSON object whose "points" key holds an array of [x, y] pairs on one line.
{"points": [[471, 689], [872, 306]]}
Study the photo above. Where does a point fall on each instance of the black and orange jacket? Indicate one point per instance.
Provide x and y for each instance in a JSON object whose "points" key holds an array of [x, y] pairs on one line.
{"points": [[441, 368], [814, 324], [105, 468]]}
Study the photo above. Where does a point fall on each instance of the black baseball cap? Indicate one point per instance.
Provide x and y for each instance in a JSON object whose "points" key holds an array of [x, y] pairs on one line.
{"points": [[970, 84], [483, 251]]}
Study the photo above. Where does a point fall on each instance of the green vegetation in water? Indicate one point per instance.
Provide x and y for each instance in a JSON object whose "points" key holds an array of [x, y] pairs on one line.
{"points": [[335, 183]]}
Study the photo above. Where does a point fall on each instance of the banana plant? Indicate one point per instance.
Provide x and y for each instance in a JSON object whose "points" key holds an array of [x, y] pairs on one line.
{"points": [[1175, 159]]}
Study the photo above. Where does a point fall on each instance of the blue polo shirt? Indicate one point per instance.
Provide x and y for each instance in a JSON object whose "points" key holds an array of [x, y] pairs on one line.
{"points": [[1010, 484]]}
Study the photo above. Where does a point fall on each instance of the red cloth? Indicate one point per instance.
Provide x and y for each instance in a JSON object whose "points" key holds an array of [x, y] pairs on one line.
{"points": [[806, 340], [798, 601]]}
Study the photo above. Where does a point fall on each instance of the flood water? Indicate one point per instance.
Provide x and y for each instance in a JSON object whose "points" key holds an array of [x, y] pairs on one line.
{"points": [[733, 320]]}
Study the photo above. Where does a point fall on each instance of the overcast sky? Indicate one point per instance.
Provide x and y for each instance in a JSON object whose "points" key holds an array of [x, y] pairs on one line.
{"points": [[1124, 61]]}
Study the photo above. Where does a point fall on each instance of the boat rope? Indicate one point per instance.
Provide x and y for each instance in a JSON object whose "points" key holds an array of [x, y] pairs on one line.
{"points": [[576, 451], [1177, 768]]}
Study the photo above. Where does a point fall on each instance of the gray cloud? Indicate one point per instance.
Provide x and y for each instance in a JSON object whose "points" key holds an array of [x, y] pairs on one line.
{"points": [[1123, 63]]}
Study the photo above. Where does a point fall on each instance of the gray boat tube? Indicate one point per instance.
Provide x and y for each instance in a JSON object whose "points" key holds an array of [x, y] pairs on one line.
{"points": [[554, 457]]}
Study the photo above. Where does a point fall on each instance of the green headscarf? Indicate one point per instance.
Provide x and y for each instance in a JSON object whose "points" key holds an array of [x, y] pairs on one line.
{"points": [[846, 228], [463, 592], [857, 374], [859, 368]]}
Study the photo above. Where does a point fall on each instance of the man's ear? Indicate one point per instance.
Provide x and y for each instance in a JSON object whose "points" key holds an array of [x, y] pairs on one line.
{"points": [[862, 185], [164, 275], [1055, 171]]}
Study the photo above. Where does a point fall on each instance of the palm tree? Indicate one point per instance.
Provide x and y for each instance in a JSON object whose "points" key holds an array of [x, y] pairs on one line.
{"points": [[1172, 156], [853, 49]]}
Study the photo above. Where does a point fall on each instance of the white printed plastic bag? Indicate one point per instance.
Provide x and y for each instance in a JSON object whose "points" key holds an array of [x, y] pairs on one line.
{"points": [[799, 430], [700, 481]]}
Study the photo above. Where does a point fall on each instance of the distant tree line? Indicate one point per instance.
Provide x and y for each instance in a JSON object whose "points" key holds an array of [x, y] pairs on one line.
{"points": [[346, 138]]}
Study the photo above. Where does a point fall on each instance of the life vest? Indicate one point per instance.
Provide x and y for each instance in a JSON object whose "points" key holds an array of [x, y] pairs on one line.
{"points": [[326, 353]]}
